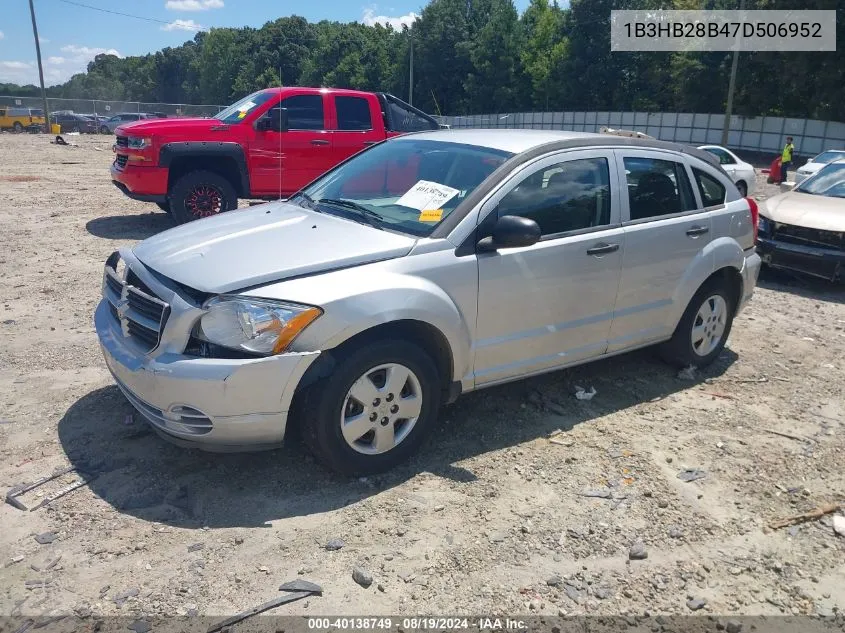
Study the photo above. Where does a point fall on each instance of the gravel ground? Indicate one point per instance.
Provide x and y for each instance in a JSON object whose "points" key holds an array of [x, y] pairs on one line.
{"points": [[500, 513]]}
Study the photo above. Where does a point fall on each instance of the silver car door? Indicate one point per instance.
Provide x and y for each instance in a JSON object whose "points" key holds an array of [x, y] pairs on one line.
{"points": [[550, 304], [665, 230]]}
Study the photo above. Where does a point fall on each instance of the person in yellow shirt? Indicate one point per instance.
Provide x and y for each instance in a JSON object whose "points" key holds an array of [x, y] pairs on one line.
{"points": [[786, 158]]}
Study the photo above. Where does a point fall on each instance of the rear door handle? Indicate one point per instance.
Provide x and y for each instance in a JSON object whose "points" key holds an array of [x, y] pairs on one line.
{"points": [[695, 231], [602, 249], [319, 142]]}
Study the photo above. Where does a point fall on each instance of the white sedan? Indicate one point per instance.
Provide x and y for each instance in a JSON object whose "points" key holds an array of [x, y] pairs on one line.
{"points": [[742, 173], [816, 163]]}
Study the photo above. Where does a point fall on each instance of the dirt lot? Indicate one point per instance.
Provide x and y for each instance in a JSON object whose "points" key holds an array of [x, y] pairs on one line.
{"points": [[492, 517]]}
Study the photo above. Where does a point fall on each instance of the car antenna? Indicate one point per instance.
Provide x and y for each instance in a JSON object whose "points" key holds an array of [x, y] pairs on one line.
{"points": [[280, 139]]}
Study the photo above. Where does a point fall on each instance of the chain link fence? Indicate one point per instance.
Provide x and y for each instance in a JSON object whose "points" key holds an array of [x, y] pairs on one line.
{"points": [[109, 109], [757, 134]]}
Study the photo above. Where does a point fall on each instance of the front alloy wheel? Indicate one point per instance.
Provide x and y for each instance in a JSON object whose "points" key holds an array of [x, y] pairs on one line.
{"points": [[381, 408], [203, 201]]}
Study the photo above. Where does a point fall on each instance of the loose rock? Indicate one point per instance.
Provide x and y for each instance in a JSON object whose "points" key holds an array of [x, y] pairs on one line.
{"points": [[335, 544], [638, 551], [554, 581], [839, 524], [733, 626], [696, 603], [45, 538], [362, 577], [195, 547]]}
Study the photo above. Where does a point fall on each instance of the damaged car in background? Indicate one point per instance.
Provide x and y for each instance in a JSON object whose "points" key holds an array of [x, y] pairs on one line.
{"points": [[427, 266], [804, 229]]}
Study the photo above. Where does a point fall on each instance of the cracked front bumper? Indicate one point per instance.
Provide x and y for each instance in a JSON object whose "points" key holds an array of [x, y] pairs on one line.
{"points": [[208, 403]]}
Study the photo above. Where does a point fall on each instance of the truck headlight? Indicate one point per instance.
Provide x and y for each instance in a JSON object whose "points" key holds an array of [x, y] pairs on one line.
{"points": [[260, 326], [136, 142]]}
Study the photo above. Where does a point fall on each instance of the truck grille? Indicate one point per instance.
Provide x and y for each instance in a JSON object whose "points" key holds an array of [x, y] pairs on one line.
{"points": [[808, 237], [121, 160], [123, 141], [140, 314]]}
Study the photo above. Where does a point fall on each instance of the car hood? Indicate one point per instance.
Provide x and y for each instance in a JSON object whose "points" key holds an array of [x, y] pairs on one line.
{"points": [[166, 126], [823, 213], [263, 244], [810, 168]]}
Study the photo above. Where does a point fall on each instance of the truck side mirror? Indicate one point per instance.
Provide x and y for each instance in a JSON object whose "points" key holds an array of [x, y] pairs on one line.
{"points": [[275, 120]]}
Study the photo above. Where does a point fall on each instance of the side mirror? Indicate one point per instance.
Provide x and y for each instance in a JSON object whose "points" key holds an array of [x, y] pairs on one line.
{"points": [[275, 120], [511, 231]]}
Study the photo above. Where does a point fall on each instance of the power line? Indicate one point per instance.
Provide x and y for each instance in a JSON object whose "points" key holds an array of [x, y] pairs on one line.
{"points": [[126, 15]]}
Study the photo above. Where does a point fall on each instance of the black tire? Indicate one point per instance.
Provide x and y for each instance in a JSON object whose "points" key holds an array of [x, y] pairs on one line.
{"points": [[213, 194], [743, 188], [18, 127], [164, 206], [104, 130], [679, 350], [319, 408]]}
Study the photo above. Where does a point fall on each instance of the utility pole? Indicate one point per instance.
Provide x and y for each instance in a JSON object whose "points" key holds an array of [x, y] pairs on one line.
{"points": [[731, 87], [40, 68], [411, 71]]}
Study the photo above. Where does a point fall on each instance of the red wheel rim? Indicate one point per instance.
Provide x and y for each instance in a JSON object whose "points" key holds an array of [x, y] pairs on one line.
{"points": [[203, 201]]}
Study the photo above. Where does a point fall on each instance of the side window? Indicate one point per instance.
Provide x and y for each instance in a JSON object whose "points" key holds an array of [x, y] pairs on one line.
{"points": [[657, 187], [565, 197], [711, 190], [353, 113], [722, 155], [305, 112]]}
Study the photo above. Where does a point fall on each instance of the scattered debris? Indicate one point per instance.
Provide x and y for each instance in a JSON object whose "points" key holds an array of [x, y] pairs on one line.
{"points": [[691, 474], [839, 524], [45, 538], [140, 626], [123, 596], [335, 544], [15, 492], [637, 551], [598, 494], [195, 547], [582, 394], [272, 604], [806, 516], [786, 435], [733, 626], [688, 373], [676, 532], [301, 585], [716, 394], [554, 581], [695, 604], [362, 576]]}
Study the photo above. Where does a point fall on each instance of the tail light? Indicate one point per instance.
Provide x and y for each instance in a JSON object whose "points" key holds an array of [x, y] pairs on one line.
{"points": [[755, 215]]}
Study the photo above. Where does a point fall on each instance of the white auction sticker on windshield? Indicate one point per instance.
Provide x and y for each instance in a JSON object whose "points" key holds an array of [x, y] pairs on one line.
{"points": [[427, 195]]}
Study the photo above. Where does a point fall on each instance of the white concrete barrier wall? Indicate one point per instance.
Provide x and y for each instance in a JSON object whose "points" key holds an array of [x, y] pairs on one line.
{"points": [[759, 134]]}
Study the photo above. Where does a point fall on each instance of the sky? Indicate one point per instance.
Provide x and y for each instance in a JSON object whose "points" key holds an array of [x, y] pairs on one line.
{"points": [[72, 35]]}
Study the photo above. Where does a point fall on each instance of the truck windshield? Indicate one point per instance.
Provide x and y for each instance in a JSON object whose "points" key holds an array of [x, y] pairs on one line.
{"points": [[407, 185], [237, 111]]}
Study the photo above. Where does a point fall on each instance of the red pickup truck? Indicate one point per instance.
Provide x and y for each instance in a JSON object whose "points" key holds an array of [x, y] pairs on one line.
{"points": [[267, 145]]}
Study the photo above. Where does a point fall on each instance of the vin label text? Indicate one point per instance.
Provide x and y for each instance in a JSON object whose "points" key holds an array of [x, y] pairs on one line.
{"points": [[698, 31]]}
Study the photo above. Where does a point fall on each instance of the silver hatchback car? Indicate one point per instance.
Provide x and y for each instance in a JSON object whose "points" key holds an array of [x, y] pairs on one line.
{"points": [[427, 266]]}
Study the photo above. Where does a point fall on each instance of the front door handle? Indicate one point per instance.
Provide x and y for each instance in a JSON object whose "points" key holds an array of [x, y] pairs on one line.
{"points": [[319, 142], [602, 248], [695, 231]]}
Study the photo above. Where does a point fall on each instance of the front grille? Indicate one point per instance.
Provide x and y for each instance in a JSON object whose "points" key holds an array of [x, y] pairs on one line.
{"points": [[123, 141], [793, 234], [139, 312], [121, 160]]}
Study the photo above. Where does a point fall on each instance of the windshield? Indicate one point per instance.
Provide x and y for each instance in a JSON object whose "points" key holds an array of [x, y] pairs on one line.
{"points": [[237, 111], [828, 157], [406, 185], [828, 181]]}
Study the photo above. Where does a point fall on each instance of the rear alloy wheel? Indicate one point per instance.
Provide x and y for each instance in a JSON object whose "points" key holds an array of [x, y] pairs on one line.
{"points": [[703, 329], [743, 188], [18, 127], [201, 194], [374, 410]]}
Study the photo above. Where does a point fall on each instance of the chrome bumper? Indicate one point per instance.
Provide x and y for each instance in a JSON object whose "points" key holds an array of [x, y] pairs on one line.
{"points": [[213, 404]]}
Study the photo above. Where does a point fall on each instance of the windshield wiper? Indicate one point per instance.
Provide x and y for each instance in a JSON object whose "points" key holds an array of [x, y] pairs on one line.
{"points": [[308, 200], [370, 217]]}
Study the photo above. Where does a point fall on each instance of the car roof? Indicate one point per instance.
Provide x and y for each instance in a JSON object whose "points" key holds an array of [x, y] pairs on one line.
{"points": [[518, 141]]}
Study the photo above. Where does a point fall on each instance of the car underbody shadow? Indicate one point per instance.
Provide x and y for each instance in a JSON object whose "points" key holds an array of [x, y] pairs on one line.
{"points": [[142, 475], [130, 227]]}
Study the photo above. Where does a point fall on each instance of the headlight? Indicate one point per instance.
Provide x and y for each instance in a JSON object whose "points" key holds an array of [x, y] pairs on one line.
{"points": [[135, 142], [259, 326]]}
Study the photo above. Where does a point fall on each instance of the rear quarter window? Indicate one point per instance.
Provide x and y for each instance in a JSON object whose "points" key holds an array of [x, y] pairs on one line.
{"points": [[712, 191]]}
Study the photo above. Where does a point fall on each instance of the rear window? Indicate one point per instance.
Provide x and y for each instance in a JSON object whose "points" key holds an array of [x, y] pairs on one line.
{"points": [[353, 113], [657, 187]]}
